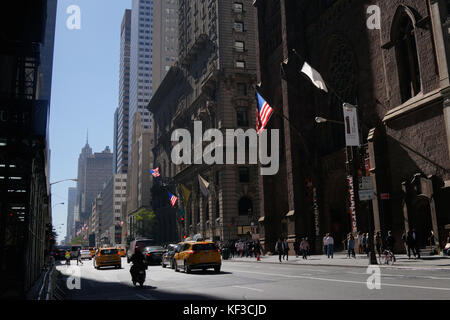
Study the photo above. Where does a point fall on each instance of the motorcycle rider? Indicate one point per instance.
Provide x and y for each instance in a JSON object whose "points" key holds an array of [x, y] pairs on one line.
{"points": [[138, 261]]}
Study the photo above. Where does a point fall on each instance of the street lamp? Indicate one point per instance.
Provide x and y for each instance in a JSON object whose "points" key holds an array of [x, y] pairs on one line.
{"points": [[372, 255], [63, 180], [323, 120]]}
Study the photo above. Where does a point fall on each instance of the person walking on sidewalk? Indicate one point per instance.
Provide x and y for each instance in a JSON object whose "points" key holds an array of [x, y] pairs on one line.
{"points": [[411, 241], [296, 247], [285, 250], [304, 247], [279, 248], [405, 241], [79, 256], [351, 245], [390, 241], [378, 243], [330, 246], [324, 243], [257, 249]]}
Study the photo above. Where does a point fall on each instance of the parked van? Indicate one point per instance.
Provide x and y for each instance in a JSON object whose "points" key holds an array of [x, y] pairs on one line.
{"points": [[139, 243]]}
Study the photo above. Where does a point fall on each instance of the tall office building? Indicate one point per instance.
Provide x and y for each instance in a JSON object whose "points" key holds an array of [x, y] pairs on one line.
{"points": [[86, 152], [141, 63], [121, 116], [72, 198], [165, 39], [98, 170], [93, 170]]}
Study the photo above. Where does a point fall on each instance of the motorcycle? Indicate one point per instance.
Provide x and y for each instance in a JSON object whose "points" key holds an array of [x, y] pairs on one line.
{"points": [[138, 275]]}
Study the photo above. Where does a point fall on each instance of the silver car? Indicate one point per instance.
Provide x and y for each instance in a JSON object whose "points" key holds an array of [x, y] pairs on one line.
{"points": [[85, 254]]}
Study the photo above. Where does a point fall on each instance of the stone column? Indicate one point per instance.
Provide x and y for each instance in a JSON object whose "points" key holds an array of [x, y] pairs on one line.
{"points": [[373, 173], [440, 35]]}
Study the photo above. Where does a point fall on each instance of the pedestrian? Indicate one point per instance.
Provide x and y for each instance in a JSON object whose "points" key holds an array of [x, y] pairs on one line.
{"points": [[432, 242], [364, 242], [378, 242], [309, 247], [257, 249], [405, 242], [67, 256], [79, 256], [324, 244], [296, 247], [414, 243], [390, 241], [330, 246], [286, 249], [360, 243], [304, 247], [279, 248], [351, 245]]}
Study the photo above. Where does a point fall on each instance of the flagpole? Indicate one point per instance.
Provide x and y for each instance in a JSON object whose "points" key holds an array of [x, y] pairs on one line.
{"points": [[281, 114], [326, 83]]}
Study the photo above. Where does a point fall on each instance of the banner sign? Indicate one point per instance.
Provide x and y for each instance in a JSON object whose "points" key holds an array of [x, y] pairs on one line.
{"points": [[351, 125], [352, 207]]}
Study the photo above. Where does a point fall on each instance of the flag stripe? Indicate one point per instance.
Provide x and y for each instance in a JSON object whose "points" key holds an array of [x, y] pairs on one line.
{"points": [[264, 113]]}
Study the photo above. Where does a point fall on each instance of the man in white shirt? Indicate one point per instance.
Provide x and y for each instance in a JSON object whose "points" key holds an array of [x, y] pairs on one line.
{"points": [[330, 245]]}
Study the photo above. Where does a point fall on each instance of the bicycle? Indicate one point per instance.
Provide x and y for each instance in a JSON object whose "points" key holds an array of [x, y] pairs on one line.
{"points": [[387, 257]]}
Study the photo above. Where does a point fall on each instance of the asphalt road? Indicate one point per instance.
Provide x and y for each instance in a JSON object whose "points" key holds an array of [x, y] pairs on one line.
{"points": [[260, 281]]}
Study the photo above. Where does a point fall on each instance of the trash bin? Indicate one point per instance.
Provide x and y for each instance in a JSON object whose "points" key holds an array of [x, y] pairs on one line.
{"points": [[225, 253]]}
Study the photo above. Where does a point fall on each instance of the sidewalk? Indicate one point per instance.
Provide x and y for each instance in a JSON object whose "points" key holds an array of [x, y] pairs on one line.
{"points": [[340, 260]]}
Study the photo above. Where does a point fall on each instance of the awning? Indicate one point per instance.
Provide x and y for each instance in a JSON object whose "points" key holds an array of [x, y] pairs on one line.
{"points": [[290, 213]]}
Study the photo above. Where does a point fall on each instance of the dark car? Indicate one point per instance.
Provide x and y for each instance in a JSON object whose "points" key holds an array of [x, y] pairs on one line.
{"points": [[60, 254], [140, 243], [167, 257], [153, 255]]}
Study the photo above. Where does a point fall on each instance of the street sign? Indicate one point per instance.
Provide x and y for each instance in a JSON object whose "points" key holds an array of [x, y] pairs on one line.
{"points": [[365, 183], [365, 195]]}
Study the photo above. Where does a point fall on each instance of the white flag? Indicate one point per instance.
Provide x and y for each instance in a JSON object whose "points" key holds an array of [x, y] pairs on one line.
{"points": [[315, 77], [203, 185]]}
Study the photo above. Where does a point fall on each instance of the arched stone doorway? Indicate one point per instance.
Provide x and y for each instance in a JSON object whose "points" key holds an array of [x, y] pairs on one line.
{"points": [[420, 219]]}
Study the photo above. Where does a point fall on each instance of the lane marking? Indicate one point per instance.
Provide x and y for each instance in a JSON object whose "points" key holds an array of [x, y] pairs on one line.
{"points": [[259, 290], [348, 281]]}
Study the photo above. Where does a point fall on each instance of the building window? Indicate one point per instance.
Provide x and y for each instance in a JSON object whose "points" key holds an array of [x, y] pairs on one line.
{"points": [[245, 206], [242, 118], [238, 7], [239, 46], [244, 175], [238, 26], [242, 89], [406, 55], [240, 64]]}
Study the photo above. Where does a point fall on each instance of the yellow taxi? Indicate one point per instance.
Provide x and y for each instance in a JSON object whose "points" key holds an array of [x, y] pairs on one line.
{"points": [[197, 255], [92, 251], [107, 257], [122, 252]]}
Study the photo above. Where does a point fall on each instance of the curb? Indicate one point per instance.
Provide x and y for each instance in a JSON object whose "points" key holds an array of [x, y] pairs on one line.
{"points": [[423, 267]]}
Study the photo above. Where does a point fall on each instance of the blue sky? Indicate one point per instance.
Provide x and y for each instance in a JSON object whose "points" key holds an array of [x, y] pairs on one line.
{"points": [[85, 89]]}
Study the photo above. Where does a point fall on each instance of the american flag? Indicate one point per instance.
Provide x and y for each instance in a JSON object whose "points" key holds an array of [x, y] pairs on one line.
{"points": [[264, 113], [155, 172], [173, 199]]}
